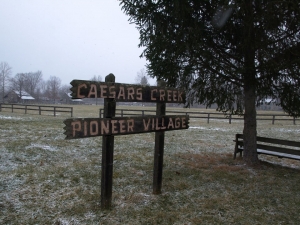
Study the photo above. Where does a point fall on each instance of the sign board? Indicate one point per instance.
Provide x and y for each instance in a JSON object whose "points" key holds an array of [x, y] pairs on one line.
{"points": [[91, 127], [126, 92], [110, 126]]}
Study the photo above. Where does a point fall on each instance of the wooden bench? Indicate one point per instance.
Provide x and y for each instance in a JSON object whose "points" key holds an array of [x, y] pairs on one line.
{"points": [[270, 146]]}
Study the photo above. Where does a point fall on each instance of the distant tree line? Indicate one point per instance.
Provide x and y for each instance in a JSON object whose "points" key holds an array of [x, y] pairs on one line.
{"points": [[51, 90], [32, 83]]}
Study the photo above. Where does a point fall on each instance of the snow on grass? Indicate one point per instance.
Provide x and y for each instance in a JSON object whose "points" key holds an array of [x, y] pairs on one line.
{"points": [[48, 180], [205, 128], [44, 147], [5, 117], [7, 160]]}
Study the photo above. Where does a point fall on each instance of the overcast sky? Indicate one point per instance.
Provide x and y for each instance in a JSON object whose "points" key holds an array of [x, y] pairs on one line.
{"points": [[69, 39]]}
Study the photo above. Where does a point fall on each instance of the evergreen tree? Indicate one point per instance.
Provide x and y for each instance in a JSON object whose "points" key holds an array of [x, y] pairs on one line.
{"points": [[232, 53]]}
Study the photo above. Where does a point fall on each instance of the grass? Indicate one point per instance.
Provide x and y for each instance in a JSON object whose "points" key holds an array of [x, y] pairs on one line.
{"points": [[48, 180]]}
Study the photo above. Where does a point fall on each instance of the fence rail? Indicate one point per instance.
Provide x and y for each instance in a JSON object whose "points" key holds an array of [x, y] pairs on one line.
{"points": [[39, 108], [204, 115]]}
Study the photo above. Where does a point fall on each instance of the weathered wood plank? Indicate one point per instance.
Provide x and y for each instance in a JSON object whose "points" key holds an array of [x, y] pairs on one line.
{"points": [[91, 127], [126, 92]]}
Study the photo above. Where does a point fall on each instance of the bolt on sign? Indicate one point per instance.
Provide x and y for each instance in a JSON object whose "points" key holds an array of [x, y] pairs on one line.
{"points": [[110, 126]]}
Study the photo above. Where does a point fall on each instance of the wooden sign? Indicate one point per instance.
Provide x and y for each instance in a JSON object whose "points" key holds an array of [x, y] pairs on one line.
{"points": [[91, 127], [125, 92], [109, 126]]}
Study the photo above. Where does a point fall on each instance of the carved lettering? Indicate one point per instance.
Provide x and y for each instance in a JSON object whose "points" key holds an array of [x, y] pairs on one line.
{"points": [[93, 91], [79, 90], [94, 128], [130, 93], [104, 127], [118, 126], [130, 125], [121, 93], [152, 94], [76, 126], [139, 94], [170, 124], [125, 92], [146, 125], [103, 91], [162, 95]]}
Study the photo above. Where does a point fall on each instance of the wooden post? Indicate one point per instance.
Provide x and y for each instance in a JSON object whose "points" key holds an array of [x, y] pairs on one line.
{"points": [[54, 111], [208, 115], [273, 120], [159, 149], [107, 152], [294, 120], [230, 119]]}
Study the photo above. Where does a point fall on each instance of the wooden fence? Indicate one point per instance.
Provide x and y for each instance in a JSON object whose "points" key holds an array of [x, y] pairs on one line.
{"points": [[37, 108], [205, 115]]}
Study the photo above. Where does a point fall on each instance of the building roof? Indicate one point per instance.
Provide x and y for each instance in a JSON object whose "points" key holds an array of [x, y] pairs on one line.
{"points": [[24, 95]]}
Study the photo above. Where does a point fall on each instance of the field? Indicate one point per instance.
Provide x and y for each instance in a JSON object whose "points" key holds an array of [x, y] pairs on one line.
{"points": [[46, 179]]}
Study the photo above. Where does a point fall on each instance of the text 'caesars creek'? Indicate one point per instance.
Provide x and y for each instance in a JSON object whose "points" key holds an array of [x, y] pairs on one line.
{"points": [[123, 92], [119, 126]]}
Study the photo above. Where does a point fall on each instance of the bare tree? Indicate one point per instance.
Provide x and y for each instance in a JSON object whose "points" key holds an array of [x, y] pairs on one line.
{"points": [[5, 72], [18, 83], [142, 78], [53, 87], [32, 81], [96, 78], [41, 90]]}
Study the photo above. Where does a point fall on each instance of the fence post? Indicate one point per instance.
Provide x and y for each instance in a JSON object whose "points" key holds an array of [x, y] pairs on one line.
{"points": [[230, 119], [0, 107], [121, 112], [25, 109], [294, 120], [12, 108], [273, 120], [54, 111], [40, 111], [143, 113], [208, 115], [71, 111]]}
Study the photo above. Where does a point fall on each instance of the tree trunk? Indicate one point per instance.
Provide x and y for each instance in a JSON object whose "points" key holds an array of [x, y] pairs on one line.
{"points": [[250, 145]]}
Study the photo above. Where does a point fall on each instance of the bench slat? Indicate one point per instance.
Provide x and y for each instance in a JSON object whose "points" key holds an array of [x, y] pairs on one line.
{"points": [[280, 155], [279, 142], [278, 149]]}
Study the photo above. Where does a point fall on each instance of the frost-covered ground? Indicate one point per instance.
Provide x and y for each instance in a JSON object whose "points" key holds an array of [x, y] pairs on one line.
{"points": [[46, 179]]}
